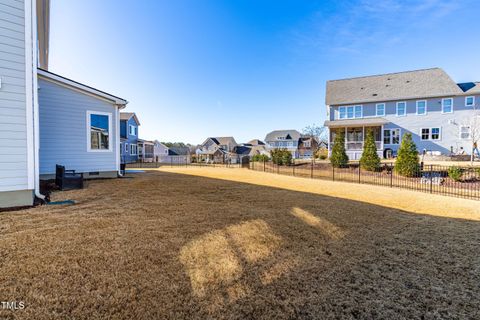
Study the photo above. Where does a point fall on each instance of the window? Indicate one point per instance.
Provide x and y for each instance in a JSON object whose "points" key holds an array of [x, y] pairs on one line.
{"points": [[358, 111], [469, 101], [350, 112], [401, 108], [430, 133], [447, 105], [464, 132], [98, 131], [307, 144], [133, 149], [133, 130], [391, 136], [425, 134], [422, 107], [380, 109], [126, 147]]}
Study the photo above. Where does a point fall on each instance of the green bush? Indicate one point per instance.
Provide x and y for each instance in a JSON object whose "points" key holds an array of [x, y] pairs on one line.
{"points": [[370, 160], [260, 157], [455, 173], [407, 160], [339, 157], [281, 156], [322, 154]]}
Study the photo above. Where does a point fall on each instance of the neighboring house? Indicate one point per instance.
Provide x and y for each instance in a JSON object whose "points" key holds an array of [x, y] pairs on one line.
{"points": [[146, 150], [178, 155], [247, 150], [427, 103], [159, 151], [129, 137], [216, 149], [45, 118], [78, 127], [307, 147], [284, 139], [255, 142]]}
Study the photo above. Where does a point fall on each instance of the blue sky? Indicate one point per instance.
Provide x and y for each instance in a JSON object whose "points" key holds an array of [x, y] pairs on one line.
{"points": [[192, 69]]}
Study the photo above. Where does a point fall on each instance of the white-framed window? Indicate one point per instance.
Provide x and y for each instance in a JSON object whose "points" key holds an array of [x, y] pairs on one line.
{"points": [[126, 147], [380, 109], [99, 129], [464, 132], [132, 130], [421, 107], [469, 101], [307, 144], [430, 133], [447, 105], [350, 112], [401, 108], [391, 136], [133, 149]]}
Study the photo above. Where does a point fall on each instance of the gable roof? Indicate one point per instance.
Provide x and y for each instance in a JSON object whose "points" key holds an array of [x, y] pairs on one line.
{"points": [[391, 86], [256, 142], [178, 151], [288, 134], [58, 79], [242, 150], [127, 115], [221, 140]]}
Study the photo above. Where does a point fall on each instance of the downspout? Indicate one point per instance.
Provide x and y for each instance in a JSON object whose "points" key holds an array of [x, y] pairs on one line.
{"points": [[117, 130], [36, 121]]}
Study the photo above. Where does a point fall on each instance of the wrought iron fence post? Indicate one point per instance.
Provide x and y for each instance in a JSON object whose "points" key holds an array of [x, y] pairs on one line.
{"points": [[391, 175], [294, 169], [263, 165], [311, 170], [333, 172], [359, 173], [431, 178]]}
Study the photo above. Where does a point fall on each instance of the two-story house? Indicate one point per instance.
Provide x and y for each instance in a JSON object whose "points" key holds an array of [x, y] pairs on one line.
{"points": [[426, 103], [129, 137], [284, 139], [216, 149]]}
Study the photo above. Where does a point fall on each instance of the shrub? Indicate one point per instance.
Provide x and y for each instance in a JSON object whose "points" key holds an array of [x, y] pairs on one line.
{"points": [[370, 160], [455, 173], [260, 157], [407, 160], [281, 156], [322, 154], [339, 157]]}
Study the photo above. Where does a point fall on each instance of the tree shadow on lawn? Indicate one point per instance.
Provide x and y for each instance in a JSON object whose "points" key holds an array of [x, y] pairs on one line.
{"points": [[196, 247]]}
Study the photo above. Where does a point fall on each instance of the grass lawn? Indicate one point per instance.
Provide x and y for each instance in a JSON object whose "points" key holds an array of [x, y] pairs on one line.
{"points": [[237, 244]]}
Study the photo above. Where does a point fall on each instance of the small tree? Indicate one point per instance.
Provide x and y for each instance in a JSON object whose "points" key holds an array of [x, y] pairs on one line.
{"points": [[339, 157], [319, 133], [286, 157], [407, 160], [370, 160]]}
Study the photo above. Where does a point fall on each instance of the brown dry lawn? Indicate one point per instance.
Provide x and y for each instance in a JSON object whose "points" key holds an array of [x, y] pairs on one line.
{"points": [[236, 244]]}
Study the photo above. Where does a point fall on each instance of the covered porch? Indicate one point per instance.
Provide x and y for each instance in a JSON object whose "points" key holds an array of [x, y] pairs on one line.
{"points": [[355, 131]]}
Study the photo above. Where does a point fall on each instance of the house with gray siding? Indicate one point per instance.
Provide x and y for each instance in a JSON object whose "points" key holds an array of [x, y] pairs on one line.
{"points": [[79, 127], [47, 119], [129, 124], [284, 139], [426, 103]]}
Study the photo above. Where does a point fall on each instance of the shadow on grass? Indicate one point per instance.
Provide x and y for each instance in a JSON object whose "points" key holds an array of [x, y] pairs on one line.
{"points": [[179, 246]]}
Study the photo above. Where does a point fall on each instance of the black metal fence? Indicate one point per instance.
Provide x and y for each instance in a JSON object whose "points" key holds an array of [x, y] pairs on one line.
{"points": [[461, 182], [153, 165]]}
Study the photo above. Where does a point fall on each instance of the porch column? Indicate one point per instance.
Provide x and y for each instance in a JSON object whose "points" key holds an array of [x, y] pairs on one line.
{"points": [[328, 140], [381, 135], [346, 145], [363, 136]]}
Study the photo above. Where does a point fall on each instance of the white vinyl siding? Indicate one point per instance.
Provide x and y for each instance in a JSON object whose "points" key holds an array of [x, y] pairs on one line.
{"points": [[13, 98]]}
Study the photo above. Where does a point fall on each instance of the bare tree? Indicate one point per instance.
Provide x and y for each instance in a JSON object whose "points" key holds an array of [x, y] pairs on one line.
{"points": [[472, 122], [319, 133]]}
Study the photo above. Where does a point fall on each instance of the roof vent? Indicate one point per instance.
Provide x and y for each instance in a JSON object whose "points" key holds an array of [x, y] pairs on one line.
{"points": [[387, 85], [362, 88], [408, 81], [374, 94], [389, 78]]}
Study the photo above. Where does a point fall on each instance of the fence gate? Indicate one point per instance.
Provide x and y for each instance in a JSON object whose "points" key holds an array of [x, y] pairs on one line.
{"points": [[245, 162]]}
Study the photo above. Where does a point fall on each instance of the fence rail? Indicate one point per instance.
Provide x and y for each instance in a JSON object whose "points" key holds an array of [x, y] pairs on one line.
{"points": [[433, 179], [154, 165]]}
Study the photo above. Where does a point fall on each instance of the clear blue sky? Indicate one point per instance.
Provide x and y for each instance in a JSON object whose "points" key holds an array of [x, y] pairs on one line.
{"points": [[192, 69]]}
